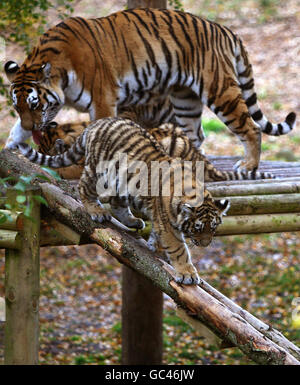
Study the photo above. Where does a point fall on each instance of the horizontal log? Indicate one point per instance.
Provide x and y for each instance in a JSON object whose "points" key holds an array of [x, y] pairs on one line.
{"points": [[10, 239], [14, 220], [264, 204], [242, 183], [256, 224], [55, 233], [261, 188]]}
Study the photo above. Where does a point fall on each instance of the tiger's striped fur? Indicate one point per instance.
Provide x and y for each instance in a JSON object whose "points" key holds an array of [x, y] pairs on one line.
{"points": [[173, 217], [59, 138], [56, 139], [140, 57]]}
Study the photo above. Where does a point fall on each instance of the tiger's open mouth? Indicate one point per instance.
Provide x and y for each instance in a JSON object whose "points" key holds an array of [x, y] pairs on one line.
{"points": [[36, 136]]}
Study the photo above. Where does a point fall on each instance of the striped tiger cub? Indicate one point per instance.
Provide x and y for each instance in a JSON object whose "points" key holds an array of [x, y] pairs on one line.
{"points": [[174, 217], [140, 57], [58, 138]]}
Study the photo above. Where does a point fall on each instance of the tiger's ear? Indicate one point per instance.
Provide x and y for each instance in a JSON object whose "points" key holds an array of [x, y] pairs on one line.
{"points": [[46, 70], [11, 68], [53, 124], [186, 210], [223, 205]]}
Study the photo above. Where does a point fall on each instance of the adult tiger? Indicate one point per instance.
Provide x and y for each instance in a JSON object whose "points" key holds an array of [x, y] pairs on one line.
{"points": [[136, 57]]}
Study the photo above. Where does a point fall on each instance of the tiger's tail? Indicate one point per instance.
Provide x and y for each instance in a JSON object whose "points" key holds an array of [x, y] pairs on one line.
{"points": [[217, 175], [75, 153], [246, 80]]}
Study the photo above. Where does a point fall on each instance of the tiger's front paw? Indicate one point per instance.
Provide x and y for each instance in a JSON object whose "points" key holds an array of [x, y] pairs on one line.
{"points": [[60, 146], [245, 166], [11, 145], [188, 276], [136, 223], [101, 216]]}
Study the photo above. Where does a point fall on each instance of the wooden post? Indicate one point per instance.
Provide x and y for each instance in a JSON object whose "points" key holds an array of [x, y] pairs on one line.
{"points": [[22, 279], [142, 303], [147, 4]]}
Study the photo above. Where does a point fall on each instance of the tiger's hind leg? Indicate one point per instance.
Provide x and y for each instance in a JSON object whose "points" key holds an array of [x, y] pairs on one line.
{"points": [[89, 197], [188, 110], [231, 108]]}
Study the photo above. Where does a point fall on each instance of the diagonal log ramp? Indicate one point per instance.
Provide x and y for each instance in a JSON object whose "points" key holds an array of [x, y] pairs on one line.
{"points": [[202, 305]]}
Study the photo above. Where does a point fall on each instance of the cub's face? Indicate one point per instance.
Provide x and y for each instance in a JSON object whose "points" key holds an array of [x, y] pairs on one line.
{"points": [[34, 98], [200, 223]]}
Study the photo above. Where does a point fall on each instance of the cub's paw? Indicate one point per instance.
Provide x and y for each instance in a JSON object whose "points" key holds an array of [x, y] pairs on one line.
{"points": [[187, 277], [60, 146], [101, 216], [136, 223]]}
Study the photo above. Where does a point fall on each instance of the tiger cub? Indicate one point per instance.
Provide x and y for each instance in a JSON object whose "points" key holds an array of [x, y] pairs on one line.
{"points": [[58, 138], [66, 134], [174, 217], [134, 58]]}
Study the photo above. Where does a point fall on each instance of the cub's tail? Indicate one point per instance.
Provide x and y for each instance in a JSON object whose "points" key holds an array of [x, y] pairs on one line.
{"points": [[75, 153]]}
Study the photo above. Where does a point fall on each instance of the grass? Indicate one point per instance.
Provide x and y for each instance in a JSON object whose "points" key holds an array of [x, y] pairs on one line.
{"points": [[213, 125]]}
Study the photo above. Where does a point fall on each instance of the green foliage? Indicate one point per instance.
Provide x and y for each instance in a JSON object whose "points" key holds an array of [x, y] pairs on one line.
{"points": [[176, 4], [216, 9], [24, 203], [21, 21], [213, 125]]}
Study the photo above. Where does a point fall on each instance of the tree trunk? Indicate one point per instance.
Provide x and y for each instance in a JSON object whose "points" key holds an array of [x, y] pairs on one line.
{"points": [[147, 4]]}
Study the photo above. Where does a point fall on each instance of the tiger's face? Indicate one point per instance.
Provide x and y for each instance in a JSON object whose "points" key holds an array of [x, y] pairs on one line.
{"points": [[34, 97], [200, 223]]}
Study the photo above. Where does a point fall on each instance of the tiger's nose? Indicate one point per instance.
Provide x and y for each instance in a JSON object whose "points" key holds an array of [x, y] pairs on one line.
{"points": [[27, 124], [205, 241]]}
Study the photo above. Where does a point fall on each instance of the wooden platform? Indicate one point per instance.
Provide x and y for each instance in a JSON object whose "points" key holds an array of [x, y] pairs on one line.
{"points": [[263, 205], [280, 169]]}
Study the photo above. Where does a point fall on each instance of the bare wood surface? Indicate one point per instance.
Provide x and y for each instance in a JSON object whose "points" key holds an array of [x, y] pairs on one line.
{"points": [[245, 188], [9, 239], [55, 233], [226, 324], [258, 224], [264, 204], [14, 220]]}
